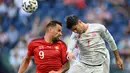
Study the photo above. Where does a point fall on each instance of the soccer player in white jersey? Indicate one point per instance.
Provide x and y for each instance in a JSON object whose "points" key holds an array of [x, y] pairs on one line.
{"points": [[94, 56]]}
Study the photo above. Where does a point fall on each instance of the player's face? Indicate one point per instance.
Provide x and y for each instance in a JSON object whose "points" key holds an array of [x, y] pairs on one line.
{"points": [[77, 28], [56, 32]]}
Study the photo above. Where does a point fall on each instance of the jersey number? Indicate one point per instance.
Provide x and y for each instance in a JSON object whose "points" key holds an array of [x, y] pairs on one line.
{"points": [[41, 54]]}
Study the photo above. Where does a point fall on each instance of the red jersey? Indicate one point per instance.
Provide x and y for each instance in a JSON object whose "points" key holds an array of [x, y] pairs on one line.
{"points": [[47, 56]]}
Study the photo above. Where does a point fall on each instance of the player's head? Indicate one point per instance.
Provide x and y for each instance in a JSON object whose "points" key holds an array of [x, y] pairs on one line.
{"points": [[54, 28], [74, 23]]}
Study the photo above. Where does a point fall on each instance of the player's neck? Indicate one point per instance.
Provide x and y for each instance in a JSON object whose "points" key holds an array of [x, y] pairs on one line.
{"points": [[48, 38], [85, 27]]}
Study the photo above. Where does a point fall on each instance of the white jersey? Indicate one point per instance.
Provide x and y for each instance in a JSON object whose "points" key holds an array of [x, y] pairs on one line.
{"points": [[91, 44]]}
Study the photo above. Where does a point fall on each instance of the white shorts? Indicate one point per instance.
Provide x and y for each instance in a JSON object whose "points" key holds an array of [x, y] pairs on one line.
{"points": [[78, 67]]}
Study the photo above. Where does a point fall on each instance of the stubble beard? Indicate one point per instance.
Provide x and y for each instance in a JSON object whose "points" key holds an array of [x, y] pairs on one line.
{"points": [[55, 39]]}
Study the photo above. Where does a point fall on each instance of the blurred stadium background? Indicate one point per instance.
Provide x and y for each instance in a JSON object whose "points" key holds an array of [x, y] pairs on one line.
{"points": [[17, 27]]}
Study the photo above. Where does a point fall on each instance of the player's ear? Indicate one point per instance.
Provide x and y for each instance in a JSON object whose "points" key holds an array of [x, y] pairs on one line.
{"points": [[49, 29], [79, 21]]}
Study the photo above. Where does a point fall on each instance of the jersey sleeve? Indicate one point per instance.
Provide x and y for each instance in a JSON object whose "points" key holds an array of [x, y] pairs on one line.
{"points": [[105, 34], [30, 49], [72, 42], [64, 53]]}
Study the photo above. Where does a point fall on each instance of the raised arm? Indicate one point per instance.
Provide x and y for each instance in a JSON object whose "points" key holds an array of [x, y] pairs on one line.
{"points": [[71, 46], [24, 64], [108, 37]]}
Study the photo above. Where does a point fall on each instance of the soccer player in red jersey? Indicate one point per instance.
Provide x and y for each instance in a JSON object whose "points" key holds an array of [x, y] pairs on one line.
{"points": [[49, 52]]}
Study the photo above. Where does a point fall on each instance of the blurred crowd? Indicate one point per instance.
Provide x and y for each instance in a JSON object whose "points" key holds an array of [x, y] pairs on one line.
{"points": [[17, 27]]}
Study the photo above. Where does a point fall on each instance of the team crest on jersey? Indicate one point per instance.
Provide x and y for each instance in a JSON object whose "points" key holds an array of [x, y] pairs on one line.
{"points": [[56, 47], [93, 34], [48, 46], [41, 47]]}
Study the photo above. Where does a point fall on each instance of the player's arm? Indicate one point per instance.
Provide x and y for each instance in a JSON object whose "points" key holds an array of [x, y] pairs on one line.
{"points": [[119, 61], [64, 68], [65, 62], [24, 64], [108, 37], [71, 46], [72, 42], [27, 58]]}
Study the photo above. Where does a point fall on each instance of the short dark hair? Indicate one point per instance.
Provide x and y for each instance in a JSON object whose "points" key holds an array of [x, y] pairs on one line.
{"points": [[53, 23], [71, 20]]}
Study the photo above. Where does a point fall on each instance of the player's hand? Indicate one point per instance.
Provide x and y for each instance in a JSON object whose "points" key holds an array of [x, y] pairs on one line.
{"points": [[70, 55], [119, 63], [55, 71]]}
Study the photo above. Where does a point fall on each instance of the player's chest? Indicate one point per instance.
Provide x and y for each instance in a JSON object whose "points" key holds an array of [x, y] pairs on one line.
{"points": [[48, 50], [89, 37]]}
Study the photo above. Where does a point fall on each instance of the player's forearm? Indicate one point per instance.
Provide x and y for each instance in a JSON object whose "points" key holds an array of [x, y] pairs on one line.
{"points": [[24, 65], [64, 68], [71, 45], [108, 37], [112, 45], [116, 54]]}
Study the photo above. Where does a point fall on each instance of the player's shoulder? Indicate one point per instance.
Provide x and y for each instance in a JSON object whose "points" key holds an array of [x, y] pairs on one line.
{"points": [[37, 40], [61, 42], [97, 25]]}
